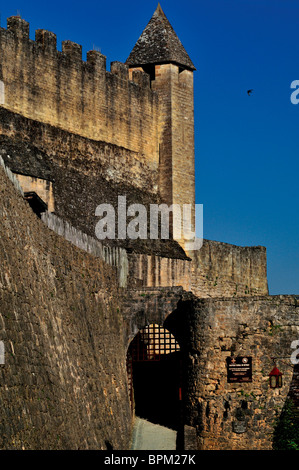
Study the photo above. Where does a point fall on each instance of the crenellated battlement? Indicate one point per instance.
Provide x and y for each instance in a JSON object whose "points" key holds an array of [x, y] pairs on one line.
{"points": [[81, 96], [18, 26], [47, 40]]}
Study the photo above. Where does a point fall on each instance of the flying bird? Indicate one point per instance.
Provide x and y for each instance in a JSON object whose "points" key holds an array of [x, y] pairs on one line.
{"points": [[249, 92]]}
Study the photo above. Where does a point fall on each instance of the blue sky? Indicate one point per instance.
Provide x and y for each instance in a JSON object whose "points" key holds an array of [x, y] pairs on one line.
{"points": [[247, 166]]}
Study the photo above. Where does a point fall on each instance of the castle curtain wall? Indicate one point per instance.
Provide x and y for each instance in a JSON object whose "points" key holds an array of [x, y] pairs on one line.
{"points": [[59, 88]]}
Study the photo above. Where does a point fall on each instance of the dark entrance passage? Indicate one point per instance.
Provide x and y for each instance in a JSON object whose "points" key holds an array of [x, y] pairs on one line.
{"points": [[154, 371], [36, 203]]}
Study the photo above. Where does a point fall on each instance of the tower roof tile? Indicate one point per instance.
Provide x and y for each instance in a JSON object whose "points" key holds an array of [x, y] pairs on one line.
{"points": [[159, 44]]}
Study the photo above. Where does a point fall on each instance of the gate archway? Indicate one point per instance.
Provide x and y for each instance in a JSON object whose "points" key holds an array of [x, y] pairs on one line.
{"points": [[154, 366]]}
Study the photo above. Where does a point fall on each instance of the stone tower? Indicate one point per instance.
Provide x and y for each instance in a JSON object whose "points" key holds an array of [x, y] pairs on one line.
{"points": [[160, 53]]}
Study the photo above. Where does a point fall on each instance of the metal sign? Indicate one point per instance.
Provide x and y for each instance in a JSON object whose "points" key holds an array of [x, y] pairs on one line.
{"points": [[239, 369]]}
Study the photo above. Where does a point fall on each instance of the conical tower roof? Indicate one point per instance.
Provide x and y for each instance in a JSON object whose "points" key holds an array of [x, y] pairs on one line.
{"points": [[159, 44]]}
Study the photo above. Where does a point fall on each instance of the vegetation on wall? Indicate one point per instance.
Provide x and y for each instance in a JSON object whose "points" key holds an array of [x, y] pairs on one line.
{"points": [[286, 434]]}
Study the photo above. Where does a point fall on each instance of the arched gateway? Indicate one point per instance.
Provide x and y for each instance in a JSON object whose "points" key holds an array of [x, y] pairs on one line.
{"points": [[154, 366]]}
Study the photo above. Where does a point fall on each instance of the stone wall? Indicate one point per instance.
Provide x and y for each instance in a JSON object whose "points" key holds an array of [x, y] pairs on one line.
{"points": [[175, 90], [114, 256], [66, 327], [156, 271], [60, 89], [133, 269], [224, 270], [32, 148], [63, 384], [146, 306], [176, 136], [239, 415], [82, 174]]}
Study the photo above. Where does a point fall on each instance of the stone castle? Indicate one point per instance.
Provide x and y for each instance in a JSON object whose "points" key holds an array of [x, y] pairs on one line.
{"points": [[76, 311]]}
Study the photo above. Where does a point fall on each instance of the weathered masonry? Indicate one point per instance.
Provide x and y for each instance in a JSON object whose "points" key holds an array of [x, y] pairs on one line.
{"points": [[83, 322]]}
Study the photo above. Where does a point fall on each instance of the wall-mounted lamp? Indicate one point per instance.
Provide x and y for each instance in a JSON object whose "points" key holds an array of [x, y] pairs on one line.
{"points": [[275, 378]]}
